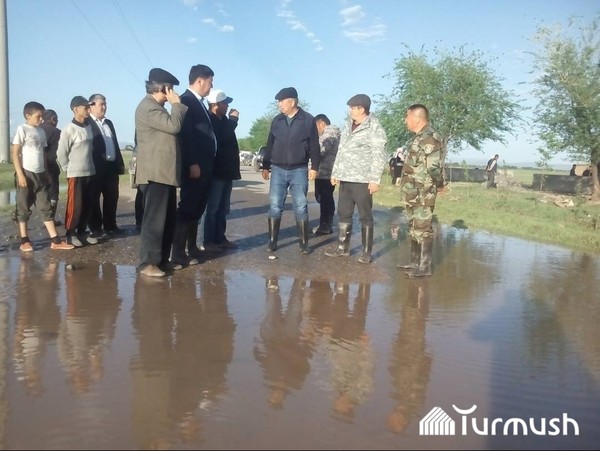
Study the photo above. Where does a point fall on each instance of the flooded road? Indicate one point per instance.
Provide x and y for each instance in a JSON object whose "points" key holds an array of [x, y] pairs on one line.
{"points": [[96, 357]]}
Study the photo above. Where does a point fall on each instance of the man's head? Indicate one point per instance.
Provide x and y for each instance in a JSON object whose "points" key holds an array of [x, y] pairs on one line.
{"points": [[322, 121], [50, 117], [496, 156], [80, 107], [32, 112], [201, 79], [360, 107], [158, 81], [287, 101], [218, 102], [417, 117], [98, 105]]}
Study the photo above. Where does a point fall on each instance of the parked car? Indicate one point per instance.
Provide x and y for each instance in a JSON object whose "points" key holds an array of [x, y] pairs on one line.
{"points": [[257, 160], [245, 158]]}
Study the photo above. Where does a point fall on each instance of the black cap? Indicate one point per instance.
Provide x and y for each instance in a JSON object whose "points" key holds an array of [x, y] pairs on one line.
{"points": [[80, 101], [287, 93], [362, 100], [158, 75]]}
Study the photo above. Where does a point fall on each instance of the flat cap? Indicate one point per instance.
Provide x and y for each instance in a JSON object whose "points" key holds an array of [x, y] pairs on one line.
{"points": [[287, 93], [80, 101], [362, 100], [159, 75]]}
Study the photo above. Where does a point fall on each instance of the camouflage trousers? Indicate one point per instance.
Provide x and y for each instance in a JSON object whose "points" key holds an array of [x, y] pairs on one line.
{"points": [[419, 203]]}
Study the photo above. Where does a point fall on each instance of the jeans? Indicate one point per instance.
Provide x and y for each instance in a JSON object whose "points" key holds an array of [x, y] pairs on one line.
{"points": [[296, 180], [217, 209]]}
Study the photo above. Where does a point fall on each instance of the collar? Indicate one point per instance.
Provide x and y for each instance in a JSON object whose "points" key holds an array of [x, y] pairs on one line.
{"points": [[96, 119], [81, 124]]}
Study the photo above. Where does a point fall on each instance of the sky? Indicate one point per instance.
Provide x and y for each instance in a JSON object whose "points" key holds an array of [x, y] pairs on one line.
{"points": [[328, 50]]}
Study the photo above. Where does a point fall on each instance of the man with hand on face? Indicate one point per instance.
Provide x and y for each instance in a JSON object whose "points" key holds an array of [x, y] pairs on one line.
{"points": [[293, 138], [158, 171], [198, 149]]}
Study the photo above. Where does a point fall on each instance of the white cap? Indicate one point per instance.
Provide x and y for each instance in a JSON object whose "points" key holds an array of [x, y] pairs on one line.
{"points": [[216, 96]]}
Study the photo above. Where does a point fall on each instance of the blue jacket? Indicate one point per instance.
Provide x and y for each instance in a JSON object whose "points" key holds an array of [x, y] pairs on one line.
{"points": [[291, 146]]}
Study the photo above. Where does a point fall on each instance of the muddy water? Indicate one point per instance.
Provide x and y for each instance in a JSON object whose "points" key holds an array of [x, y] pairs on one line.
{"points": [[96, 357]]}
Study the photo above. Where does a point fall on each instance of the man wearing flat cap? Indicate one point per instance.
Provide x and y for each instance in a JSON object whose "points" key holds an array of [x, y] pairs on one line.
{"points": [[293, 139], [358, 166], [158, 172]]}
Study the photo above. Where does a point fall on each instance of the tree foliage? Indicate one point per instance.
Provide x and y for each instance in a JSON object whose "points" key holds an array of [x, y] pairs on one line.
{"points": [[465, 98], [567, 87]]}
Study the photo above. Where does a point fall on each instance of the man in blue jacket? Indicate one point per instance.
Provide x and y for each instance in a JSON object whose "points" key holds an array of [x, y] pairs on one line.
{"points": [[293, 139]]}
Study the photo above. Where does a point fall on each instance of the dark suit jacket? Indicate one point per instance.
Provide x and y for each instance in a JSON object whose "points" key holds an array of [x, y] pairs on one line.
{"points": [[197, 138], [99, 149]]}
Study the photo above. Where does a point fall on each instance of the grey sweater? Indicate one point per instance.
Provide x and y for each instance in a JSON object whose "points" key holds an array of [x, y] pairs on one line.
{"points": [[74, 153]]}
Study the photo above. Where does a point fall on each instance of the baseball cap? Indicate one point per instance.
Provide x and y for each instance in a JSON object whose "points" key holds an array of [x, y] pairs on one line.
{"points": [[80, 101], [216, 96]]}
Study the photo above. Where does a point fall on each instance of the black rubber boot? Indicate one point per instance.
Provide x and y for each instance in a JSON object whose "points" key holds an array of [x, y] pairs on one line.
{"points": [[303, 235], [192, 242], [415, 256], [367, 243], [424, 268], [274, 224], [179, 259], [343, 247]]}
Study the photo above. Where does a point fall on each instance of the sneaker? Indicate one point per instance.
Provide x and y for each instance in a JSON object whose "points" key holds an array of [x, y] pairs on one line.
{"points": [[90, 239], [153, 271], [26, 247], [63, 246], [74, 240]]}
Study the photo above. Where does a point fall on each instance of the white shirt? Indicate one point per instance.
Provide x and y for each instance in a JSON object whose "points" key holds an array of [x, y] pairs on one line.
{"points": [[111, 153], [32, 141], [201, 100]]}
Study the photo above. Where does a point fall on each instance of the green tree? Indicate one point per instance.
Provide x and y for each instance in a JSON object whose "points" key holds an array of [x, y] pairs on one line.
{"points": [[465, 98], [567, 86]]}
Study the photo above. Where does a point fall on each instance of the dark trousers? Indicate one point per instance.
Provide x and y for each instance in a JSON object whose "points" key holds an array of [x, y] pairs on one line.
{"points": [[139, 207], [193, 197], [324, 196], [158, 223], [79, 201], [54, 185], [355, 194], [105, 184]]}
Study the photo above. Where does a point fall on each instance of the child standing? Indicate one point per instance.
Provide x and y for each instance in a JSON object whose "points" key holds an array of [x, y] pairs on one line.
{"points": [[31, 176], [74, 155]]}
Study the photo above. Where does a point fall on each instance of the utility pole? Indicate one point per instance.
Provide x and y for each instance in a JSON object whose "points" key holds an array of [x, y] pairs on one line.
{"points": [[4, 111]]}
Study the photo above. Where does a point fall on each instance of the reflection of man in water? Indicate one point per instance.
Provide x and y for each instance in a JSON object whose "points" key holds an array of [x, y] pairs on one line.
{"points": [[37, 318], [410, 366], [283, 353], [88, 325]]}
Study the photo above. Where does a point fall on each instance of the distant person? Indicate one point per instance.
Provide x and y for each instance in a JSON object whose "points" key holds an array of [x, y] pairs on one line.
{"points": [[491, 169], [74, 154], [226, 169], [329, 140], [49, 125], [29, 160], [158, 169], [396, 164], [572, 172], [587, 172], [358, 167], [293, 140], [109, 164]]}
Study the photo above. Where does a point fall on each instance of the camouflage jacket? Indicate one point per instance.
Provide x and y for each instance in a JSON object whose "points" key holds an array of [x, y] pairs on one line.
{"points": [[329, 142], [423, 166], [361, 156]]}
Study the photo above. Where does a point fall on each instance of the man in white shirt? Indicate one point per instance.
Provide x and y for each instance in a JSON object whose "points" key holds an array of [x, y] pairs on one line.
{"points": [[109, 165]]}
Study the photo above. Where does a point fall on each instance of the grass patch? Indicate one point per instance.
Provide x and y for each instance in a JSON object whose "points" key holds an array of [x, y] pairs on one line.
{"points": [[512, 212]]}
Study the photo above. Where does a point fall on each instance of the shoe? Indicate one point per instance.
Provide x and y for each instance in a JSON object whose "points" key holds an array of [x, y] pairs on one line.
{"points": [[61, 246], [74, 240], [153, 271], [114, 231], [212, 248], [57, 223], [323, 230], [227, 244], [90, 239], [26, 247]]}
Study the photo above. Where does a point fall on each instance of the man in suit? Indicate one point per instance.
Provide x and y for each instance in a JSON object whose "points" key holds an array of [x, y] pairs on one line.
{"points": [[108, 162], [198, 150], [158, 172]]}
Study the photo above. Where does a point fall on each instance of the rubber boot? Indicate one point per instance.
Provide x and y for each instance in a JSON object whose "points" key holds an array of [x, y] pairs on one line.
{"points": [[367, 243], [192, 241], [343, 247], [274, 224], [415, 256], [179, 259], [424, 268], [303, 234]]}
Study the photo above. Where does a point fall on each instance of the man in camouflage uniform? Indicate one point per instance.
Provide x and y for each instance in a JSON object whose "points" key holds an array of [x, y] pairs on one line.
{"points": [[358, 166], [422, 176]]}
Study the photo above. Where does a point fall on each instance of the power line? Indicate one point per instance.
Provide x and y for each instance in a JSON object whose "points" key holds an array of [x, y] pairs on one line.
{"points": [[104, 40], [132, 32]]}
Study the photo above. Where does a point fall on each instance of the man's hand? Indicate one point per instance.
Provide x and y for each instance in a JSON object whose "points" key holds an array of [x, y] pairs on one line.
{"points": [[442, 190], [333, 181], [312, 174], [21, 180], [172, 96], [194, 171], [373, 188], [234, 113], [265, 174]]}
